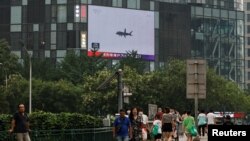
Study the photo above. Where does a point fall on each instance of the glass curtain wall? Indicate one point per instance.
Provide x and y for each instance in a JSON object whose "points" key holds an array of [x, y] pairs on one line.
{"points": [[218, 36]]}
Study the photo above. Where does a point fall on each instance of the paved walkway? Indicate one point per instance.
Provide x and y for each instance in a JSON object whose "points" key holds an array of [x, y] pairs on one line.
{"points": [[183, 138]]}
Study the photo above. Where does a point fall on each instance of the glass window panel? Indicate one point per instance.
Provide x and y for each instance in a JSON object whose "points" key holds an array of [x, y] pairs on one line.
{"points": [[77, 13], [240, 27], [15, 28], [53, 46], [248, 43], [83, 13], [18, 53], [216, 13], [157, 20], [61, 40], [152, 5], [47, 53], [240, 15], [53, 37], [53, 13], [248, 73], [84, 1], [224, 13], [16, 14], [138, 4], [25, 2], [248, 5], [89, 1], [61, 14], [119, 3], [35, 27], [207, 12], [198, 11], [192, 10], [53, 27], [131, 4], [114, 3], [61, 1], [70, 13], [61, 53], [70, 26], [47, 1], [248, 17], [232, 14], [248, 28], [14, 40]]}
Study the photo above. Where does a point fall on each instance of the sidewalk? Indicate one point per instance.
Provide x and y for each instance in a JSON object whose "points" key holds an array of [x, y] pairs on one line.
{"points": [[183, 138]]}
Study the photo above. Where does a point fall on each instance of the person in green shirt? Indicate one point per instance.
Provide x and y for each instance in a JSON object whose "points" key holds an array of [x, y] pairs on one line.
{"points": [[187, 125]]}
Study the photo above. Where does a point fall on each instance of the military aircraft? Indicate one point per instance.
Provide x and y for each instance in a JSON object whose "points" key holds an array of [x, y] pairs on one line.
{"points": [[120, 33]]}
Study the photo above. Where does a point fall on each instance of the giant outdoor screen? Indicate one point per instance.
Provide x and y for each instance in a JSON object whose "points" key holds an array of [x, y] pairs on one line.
{"points": [[118, 31]]}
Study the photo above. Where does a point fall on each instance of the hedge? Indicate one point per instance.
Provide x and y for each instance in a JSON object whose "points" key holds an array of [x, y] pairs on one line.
{"points": [[49, 121]]}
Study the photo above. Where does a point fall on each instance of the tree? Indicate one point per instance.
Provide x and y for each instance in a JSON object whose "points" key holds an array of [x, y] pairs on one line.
{"points": [[75, 67], [9, 61], [134, 61]]}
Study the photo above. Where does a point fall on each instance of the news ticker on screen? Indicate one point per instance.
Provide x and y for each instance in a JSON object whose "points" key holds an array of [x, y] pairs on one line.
{"points": [[221, 132]]}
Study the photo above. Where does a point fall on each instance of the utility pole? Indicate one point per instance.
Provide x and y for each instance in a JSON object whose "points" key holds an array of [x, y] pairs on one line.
{"points": [[117, 74], [30, 76], [120, 96]]}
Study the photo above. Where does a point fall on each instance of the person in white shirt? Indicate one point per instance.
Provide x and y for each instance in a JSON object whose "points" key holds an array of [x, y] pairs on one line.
{"points": [[145, 125], [211, 118], [158, 122]]}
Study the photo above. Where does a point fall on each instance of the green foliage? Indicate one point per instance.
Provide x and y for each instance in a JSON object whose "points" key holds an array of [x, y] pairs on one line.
{"points": [[75, 67], [8, 60], [133, 61], [48, 121], [72, 87], [6, 119]]}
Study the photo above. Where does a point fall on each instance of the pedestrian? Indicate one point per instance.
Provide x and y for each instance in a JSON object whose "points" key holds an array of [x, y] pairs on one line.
{"points": [[167, 127], [136, 124], [228, 121], [188, 123], [20, 124], [202, 123], [211, 118], [157, 122], [122, 127], [145, 125]]}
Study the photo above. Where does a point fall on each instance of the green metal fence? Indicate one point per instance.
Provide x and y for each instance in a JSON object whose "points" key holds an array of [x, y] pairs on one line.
{"points": [[91, 134]]}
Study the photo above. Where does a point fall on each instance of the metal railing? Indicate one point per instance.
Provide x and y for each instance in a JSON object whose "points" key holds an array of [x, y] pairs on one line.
{"points": [[90, 134]]}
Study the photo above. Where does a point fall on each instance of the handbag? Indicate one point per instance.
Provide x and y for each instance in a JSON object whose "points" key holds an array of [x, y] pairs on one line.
{"points": [[193, 131]]}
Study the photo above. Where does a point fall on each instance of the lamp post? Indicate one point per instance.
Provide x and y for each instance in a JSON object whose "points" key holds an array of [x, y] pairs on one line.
{"points": [[30, 77], [6, 77]]}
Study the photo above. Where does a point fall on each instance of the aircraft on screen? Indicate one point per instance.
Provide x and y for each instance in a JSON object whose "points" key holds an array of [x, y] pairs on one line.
{"points": [[120, 33]]}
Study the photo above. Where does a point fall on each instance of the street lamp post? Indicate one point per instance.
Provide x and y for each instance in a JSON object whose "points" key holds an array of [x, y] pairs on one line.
{"points": [[6, 77], [30, 78]]}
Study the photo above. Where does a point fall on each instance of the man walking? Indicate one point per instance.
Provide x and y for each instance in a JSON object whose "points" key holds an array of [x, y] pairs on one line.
{"points": [[20, 124], [122, 127]]}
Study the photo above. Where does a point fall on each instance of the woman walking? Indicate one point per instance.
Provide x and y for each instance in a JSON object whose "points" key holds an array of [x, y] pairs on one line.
{"points": [[136, 125]]}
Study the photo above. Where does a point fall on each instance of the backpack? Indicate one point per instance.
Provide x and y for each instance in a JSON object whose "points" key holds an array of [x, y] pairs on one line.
{"points": [[155, 129]]}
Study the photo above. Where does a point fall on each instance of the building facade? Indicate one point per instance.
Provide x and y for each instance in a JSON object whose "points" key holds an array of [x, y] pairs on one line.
{"points": [[210, 29], [247, 39]]}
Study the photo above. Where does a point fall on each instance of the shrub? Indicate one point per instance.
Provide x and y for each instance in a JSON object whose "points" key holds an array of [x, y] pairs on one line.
{"points": [[49, 121]]}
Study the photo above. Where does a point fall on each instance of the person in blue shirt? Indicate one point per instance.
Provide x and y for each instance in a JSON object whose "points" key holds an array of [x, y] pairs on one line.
{"points": [[122, 127], [202, 123]]}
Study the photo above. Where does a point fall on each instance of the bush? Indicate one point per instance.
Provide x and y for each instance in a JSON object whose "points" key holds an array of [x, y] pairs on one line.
{"points": [[49, 121]]}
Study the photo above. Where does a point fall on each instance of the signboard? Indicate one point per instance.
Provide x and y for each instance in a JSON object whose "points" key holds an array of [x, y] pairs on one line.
{"points": [[196, 78], [120, 30], [152, 110]]}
